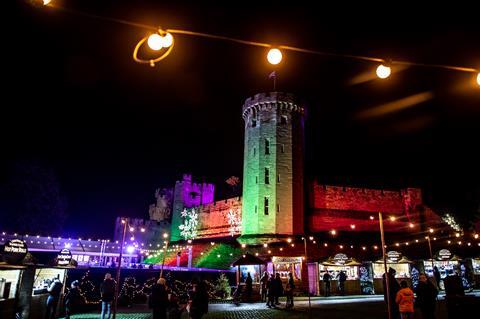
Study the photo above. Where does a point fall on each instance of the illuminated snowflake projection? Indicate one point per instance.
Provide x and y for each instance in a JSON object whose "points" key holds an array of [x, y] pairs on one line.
{"points": [[188, 229], [234, 221], [450, 220]]}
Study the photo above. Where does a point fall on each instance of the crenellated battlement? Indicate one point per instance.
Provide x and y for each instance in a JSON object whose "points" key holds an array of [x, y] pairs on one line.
{"points": [[365, 199], [269, 100]]}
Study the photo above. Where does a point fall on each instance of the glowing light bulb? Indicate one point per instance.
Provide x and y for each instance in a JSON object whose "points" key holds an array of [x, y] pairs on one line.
{"points": [[243, 245], [155, 42], [392, 218], [130, 249], [333, 232], [411, 225], [167, 40], [274, 56], [478, 78], [45, 2], [352, 226], [289, 240], [383, 71]]}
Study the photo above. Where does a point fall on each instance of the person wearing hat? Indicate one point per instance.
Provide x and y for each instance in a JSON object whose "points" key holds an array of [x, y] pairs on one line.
{"points": [[393, 289]]}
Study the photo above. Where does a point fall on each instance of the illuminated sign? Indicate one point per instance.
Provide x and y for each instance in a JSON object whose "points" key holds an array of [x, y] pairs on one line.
{"points": [[340, 259], [394, 256], [14, 251], [286, 260], [444, 254], [64, 257]]}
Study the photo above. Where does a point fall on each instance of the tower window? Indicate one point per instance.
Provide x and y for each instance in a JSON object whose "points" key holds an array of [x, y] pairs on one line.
{"points": [[283, 120], [254, 151], [278, 208], [265, 205], [267, 175], [278, 178], [256, 179], [267, 147], [254, 122], [255, 209], [283, 148]]}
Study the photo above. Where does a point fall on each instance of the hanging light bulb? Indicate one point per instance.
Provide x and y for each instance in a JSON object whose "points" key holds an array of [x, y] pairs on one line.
{"points": [[274, 56], [155, 42], [45, 2], [167, 40], [478, 78], [383, 71]]}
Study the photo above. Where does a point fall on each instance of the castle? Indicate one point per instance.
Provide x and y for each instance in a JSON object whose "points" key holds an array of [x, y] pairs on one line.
{"points": [[276, 202]]}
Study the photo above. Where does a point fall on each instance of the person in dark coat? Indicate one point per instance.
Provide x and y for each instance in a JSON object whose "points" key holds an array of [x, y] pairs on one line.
{"points": [[107, 293], [393, 289], [263, 286], [158, 301], [248, 287], [73, 299], [436, 275], [198, 301], [289, 290], [271, 292], [454, 295], [54, 291], [342, 277], [426, 297], [278, 287], [326, 280]]}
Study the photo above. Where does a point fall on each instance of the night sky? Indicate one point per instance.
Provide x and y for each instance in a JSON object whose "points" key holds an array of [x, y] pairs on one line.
{"points": [[113, 131]]}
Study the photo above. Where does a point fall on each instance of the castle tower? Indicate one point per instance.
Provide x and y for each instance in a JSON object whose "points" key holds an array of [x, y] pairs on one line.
{"points": [[273, 197], [188, 194]]}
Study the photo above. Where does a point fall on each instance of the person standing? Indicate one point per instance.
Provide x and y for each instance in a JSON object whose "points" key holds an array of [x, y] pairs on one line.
{"points": [[393, 289], [54, 291], [289, 290], [107, 294], [436, 275], [263, 286], [405, 299], [248, 287], [198, 301], [278, 287], [454, 295], [426, 297], [271, 292], [159, 299], [73, 299], [342, 277], [326, 281]]}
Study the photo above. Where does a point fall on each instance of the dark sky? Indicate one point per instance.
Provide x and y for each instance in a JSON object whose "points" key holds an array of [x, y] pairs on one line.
{"points": [[114, 130]]}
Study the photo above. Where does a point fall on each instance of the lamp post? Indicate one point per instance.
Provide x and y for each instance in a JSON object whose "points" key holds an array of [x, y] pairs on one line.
{"points": [[387, 280], [430, 250], [165, 236], [308, 282], [115, 301]]}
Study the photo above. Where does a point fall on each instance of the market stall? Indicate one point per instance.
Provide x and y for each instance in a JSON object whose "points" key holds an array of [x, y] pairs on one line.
{"points": [[248, 263], [285, 265], [395, 260], [336, 264], [446, 263]]}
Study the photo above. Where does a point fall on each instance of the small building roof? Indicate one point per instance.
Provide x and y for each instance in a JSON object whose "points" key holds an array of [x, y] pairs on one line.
{"points": [[248, 259]]}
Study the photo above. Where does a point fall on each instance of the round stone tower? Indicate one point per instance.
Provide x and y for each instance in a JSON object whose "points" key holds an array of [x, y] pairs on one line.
{"points": [[273, 197]]}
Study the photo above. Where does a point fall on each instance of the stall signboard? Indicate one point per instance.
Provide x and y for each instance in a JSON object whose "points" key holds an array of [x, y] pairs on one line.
{"points": [[340, 259], [394, 256], [64, 258], [444, 254], [14, 251], [286, 260]]}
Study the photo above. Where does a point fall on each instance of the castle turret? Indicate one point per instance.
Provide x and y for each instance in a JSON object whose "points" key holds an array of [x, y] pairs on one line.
{"points": [[273, 198]]}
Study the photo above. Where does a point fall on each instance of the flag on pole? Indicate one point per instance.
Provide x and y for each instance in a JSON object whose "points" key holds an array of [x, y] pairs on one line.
{"points": [[272, 75]]}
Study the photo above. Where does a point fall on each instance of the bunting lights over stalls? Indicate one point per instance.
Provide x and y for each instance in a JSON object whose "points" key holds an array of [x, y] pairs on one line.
{"points": [[161, 42]]}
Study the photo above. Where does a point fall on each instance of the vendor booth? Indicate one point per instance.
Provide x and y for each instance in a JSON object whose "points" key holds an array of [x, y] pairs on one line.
{"points": [[336, 264], [445, 261], [248, 263], [395, 260]]}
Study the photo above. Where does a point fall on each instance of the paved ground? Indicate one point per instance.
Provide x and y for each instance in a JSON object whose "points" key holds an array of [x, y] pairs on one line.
{"points": [[371, 307]]}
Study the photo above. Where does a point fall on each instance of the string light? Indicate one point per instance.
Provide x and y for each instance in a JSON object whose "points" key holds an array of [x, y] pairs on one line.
{"points": [[383, 71], [333, 232], [274, 56], [352, 226], [392, 218], [478, 78]]}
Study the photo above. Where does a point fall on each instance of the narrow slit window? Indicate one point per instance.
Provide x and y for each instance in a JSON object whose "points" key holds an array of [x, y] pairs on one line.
{"points": [[267, 175], [278, 208], [278, 178], [283, 148], [283, 120], [265, 205], [267, 147]]}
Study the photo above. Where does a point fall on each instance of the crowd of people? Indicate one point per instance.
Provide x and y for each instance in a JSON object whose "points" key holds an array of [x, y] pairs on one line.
{"points": [[403, 300], [271, 288]]}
